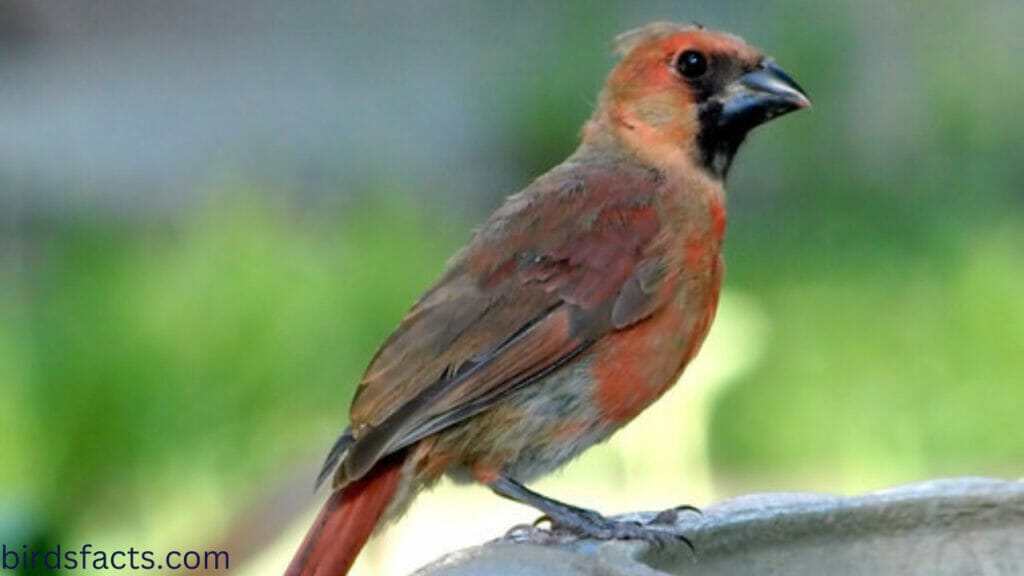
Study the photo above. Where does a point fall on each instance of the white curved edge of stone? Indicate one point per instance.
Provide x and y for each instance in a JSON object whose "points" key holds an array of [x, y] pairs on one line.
{"points": [[941, 526]]}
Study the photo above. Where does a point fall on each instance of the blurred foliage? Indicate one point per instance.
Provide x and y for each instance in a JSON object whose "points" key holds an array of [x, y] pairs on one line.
{"points": [[140, 355], [907, 369]]}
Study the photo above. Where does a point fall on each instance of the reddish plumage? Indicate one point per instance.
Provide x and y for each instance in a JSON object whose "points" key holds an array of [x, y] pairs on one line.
{"points": [[576, 305], [346, 521]]}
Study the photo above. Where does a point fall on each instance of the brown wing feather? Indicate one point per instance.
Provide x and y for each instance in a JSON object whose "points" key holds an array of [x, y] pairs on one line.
{"points": [[557, 266]]}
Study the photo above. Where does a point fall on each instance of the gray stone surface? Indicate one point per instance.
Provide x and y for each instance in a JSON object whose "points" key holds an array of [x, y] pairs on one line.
{"points": [[940, 527]]}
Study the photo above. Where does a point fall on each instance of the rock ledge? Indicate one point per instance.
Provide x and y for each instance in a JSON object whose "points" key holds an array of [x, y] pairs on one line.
{"points": [[935, 528]]}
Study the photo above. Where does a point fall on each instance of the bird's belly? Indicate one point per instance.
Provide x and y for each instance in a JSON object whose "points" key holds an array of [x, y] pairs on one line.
{"points": [[533, 431], [543, 426]]}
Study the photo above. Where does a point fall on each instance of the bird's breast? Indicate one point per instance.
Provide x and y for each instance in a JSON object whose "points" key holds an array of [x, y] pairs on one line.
{"points": [[633, 367]]}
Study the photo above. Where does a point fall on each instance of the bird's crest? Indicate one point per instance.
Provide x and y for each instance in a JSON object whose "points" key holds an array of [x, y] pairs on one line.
{"points": [[625, 43]]}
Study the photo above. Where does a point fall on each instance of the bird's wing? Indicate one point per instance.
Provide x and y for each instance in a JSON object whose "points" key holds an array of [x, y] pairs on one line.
{"points": [[569, 259]]}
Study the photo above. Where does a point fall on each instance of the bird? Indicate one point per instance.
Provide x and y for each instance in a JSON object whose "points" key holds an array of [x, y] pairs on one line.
{"points": [[577, 304]]}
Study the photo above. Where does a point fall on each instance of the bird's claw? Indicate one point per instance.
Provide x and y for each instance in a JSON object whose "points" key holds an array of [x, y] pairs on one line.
{"points": [[689, 508], [671, 516], [545, 519]]}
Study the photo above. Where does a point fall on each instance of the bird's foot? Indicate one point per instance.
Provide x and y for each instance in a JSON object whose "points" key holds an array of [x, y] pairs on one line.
{"points": [[569, 523], [659, 531]]}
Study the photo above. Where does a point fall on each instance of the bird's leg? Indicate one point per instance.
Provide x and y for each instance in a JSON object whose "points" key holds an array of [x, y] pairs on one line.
{"points": [[581, 521]]}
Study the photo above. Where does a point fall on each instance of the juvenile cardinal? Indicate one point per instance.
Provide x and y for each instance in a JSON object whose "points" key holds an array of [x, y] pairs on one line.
{"points": [[574, 307]]}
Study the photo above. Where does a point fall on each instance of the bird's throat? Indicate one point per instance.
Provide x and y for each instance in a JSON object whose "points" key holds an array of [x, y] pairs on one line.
{"points": [[716, 143]]}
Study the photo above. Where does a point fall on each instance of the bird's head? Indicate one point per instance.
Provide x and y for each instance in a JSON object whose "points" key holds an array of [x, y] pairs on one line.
{"points": [[691, 91]]}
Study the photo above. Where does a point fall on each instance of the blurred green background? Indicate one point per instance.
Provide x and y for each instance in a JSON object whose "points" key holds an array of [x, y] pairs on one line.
{"points": [[212, 213]]}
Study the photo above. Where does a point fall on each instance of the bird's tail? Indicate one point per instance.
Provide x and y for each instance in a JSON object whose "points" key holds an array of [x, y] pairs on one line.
{"points": [[346, 522]]}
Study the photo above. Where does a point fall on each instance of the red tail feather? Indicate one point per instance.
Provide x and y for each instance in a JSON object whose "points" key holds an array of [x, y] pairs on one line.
{"points": [[346, 522]]}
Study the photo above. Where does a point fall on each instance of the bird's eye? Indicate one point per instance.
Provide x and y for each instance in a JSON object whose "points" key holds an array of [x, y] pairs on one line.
{"points": [[692, 64]]}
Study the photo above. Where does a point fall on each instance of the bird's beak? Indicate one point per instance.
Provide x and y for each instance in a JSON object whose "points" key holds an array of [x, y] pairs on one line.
{"points": [[760, 95]]}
